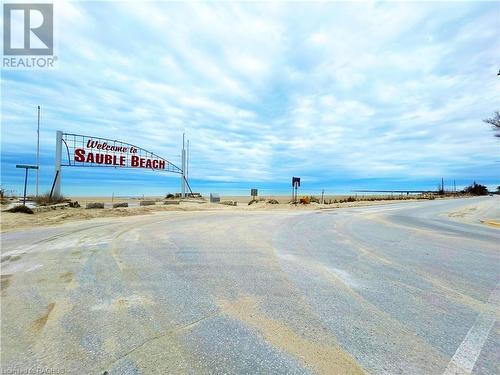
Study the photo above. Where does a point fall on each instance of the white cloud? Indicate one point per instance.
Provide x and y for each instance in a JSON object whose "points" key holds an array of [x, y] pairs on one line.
{"points": [[265, 89]]}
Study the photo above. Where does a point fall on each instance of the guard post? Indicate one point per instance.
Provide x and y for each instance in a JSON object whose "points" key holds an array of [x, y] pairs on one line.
{"points": [[26, 177]]}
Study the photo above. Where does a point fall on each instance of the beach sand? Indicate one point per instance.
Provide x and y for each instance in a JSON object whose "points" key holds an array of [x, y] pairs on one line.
{"points": [[12, 221]]}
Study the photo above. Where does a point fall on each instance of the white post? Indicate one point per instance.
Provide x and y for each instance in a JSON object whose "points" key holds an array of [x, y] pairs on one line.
{"points": [[187, 162], [57, 164], [37, 150], [183, 176]]}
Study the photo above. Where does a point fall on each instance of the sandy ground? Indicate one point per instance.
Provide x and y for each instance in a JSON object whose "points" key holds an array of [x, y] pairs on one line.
{"points": [[12, 221], [479, 212], [386, 289]]}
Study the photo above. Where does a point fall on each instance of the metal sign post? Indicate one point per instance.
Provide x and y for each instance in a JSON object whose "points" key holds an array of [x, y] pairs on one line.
{"points": [[295, 186], [253, 193], [26, 177]]}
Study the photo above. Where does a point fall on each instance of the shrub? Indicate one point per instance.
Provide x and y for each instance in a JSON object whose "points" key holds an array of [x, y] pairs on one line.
{"points": [[312, 198], [273, 201], [476, 189], [21, 208], [305, 200], [46, 199], [256, 201], [169, 196], [346, 200], [94, 205]]}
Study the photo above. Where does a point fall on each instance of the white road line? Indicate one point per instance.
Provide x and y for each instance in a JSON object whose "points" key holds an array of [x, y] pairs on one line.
{"points": [[465, 357]]}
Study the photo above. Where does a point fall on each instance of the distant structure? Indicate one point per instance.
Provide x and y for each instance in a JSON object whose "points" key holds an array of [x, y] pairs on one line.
{"points": [[408, 192], [440, 190]]}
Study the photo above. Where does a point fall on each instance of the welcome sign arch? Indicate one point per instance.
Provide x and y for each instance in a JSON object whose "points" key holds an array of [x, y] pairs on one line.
{"points": [[94, 152]]}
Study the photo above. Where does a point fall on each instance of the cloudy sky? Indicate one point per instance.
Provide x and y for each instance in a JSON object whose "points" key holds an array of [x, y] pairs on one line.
{"points": [[345, 95]]}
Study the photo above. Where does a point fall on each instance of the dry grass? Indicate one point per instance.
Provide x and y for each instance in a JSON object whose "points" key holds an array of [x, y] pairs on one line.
{"points": [[46, 199], [22, 209]]}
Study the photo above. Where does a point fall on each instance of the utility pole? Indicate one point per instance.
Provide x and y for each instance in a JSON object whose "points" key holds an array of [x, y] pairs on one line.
{"points": [[442, 184], [37, 150], [322, 195]]}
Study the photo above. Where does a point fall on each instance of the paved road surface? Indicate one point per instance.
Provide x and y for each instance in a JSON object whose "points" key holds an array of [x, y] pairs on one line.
{"points": [[394, 289]]}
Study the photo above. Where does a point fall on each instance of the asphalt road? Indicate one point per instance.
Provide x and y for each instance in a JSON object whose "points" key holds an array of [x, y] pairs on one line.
{"points": [[394, 289]]}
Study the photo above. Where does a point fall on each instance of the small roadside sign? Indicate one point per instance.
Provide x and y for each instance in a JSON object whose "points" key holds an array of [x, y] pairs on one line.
{"points": [[26, 166], [26, 177]]}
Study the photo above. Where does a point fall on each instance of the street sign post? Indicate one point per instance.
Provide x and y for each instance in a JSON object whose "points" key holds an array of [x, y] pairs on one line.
{"points": [[253, 193], [26, 177], [295, 186]]}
